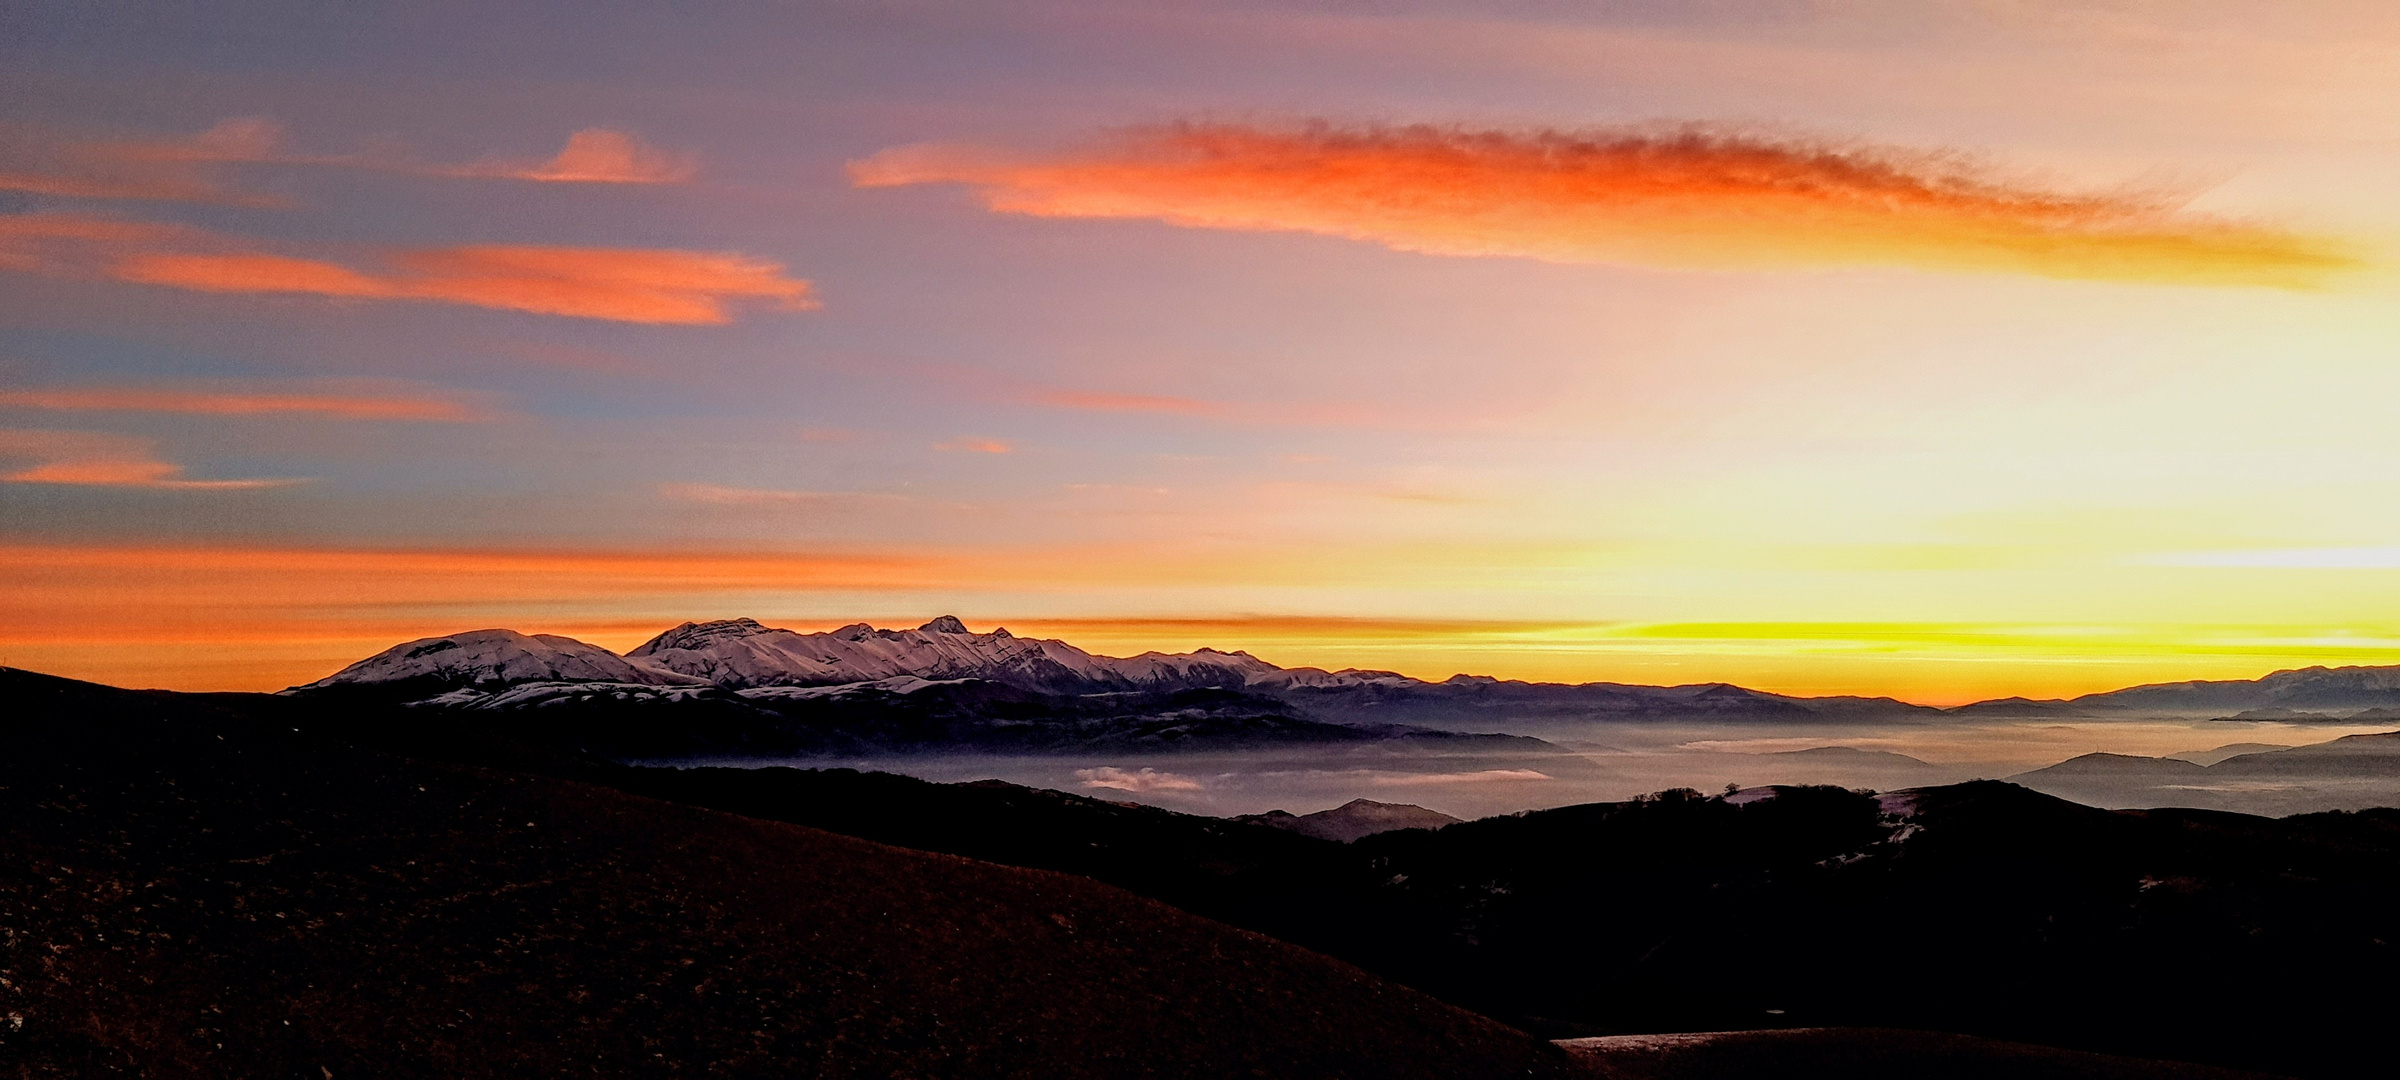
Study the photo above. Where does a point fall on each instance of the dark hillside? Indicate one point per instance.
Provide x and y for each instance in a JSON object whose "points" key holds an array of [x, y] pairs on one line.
{"points": [[1981, 908], [190, 887]]}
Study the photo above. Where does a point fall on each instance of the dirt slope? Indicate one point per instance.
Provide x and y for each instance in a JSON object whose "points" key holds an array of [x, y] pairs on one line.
{"points": [[188, 890]]}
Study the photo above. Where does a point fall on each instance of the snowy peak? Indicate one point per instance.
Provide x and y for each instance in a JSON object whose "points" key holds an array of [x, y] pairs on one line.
{"points": [[745, 654], [498, 658], [699, 635]]}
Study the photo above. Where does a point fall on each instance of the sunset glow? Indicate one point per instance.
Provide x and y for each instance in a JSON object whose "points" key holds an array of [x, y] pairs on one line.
{"points": [[1941, 352]]}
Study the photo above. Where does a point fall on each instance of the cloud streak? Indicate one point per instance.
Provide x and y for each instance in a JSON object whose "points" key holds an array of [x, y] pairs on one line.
{"points": [[1111, 778], [591, 156], [1686, 199], [635, 285], [222, 403], [689, 288], [99, 459]]}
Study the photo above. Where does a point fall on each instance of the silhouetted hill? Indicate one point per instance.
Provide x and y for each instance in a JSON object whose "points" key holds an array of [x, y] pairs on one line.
{"points": [[1982, 908], [216, 886], [628, 722], [1859, 1054], [1352, 820], [1979, 908]]}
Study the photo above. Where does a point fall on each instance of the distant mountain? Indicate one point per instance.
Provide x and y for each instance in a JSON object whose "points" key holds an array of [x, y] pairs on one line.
{"points": [[772, 667], [480, 659], [1352, 820], [1851, 755], [743, 654], [2349, 773], [777, 670], [2314, 688], [2216, 754]]}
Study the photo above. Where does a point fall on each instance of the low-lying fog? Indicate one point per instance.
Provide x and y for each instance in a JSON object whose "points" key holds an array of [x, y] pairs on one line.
{"points": [[1606, 762]]}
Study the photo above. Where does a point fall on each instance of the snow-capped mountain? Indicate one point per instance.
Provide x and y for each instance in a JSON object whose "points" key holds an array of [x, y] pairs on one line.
{"points": [[743, 654], [764, 663], [492, 658]]}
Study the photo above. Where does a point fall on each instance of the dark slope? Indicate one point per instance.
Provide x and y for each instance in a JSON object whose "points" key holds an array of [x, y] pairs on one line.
{"points": [[1981, 908], [191, 887], [1859, 1054], [626, 722]]}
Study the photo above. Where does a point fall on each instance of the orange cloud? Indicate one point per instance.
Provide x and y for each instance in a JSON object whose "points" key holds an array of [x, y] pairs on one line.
{"points": [[691, 288], [597, 156], [163, 189], [170, 400], [250, 273], [978, 446], [96, 459], [1686, 199]]}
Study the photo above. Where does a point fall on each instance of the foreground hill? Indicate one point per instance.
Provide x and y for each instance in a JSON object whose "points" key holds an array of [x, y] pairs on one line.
{"points": [[1981, 908], [218, 886]]}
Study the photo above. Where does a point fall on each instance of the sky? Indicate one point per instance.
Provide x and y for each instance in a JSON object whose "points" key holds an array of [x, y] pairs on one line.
{"points": [[1853, 346]]}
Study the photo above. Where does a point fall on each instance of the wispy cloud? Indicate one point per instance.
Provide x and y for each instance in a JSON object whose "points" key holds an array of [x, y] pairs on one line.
{"points": [[139, 189], [241, 403], [68, 243], [42, 161], [100, 459], [1111, 778], [1689, 198], [1486, 776], [978, 446], [692, 288], [591, 156]]}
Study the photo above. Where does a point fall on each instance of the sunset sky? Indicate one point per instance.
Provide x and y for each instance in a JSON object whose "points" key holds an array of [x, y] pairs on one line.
{"points": [[1946, 351]]}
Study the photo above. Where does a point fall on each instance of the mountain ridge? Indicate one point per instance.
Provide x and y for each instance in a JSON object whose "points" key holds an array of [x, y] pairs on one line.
{"points": [[745, 656]]}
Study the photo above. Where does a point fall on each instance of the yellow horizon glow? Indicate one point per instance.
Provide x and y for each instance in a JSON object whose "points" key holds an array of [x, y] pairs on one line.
{"points": [[225, 618]]}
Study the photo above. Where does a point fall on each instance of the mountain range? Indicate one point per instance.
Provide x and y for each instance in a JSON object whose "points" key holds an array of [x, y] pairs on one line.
{"points": [[863, 688]]}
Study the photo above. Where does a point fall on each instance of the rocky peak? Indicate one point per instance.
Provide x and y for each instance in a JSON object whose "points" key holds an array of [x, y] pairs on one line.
{"points": [[698, 635]]}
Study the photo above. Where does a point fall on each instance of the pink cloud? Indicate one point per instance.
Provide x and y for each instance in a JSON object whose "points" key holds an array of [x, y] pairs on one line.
{"points": [[591, 156], [239, 403], [1111, 778], [100, 459]]}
